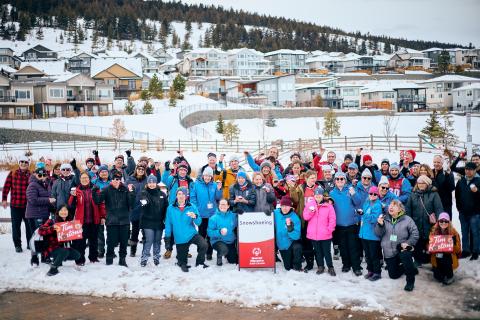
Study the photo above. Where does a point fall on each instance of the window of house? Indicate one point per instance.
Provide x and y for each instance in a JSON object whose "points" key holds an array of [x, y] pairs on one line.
{"points": [[131, 84], [69, 93], [21, 111], [469, 93], [104, 93], [55, 93], [22, 94]]}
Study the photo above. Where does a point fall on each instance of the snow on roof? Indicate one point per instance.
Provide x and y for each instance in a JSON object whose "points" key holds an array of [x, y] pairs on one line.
{"points": [[451, 78], [160, 76], [473, 86], [172, 62], [318, 53], [285, 51], [51, 68], [417, 72], [206, 50], [65, 77], [236, 51], [389, 86], [100, 64], [71, 54], [432, 49], [6, 68], [146, 55], [352, 74], [383, 57]]}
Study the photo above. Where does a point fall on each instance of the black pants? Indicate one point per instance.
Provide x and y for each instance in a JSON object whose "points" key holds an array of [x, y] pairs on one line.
{"points": [[182, 250], [226, 250], [202, 230], [33, 224], [322, 249], [401, 264], [115, 235], [444, 268], [101, 239], [170, 245], [348, 244], [307, 248], [371, 248], [292, 257], [90, 233], [63, 254], [18, 215], [420, 253], [135, 231]]}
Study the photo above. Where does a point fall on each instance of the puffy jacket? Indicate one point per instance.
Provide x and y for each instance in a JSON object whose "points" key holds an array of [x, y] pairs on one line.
{"points": [[345, 207], [385, 200], [181, 225], [139, 185], [403, 228], [256, 167], [152, 214], [371, 212], [203, 194], [172, 186], [38, 203], [229, 178], [284, 238], [420, 205], [321, 220], [264, 200], [222, 220], [445, 184], [361, 192], [457, 246], [247, 193], [468, 202], [100, 183], [61, 190], [401, 187], [118, 203], [78, 202]]}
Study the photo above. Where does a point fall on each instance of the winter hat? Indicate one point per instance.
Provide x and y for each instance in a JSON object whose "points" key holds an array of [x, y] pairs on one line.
{"points": [[162, 185], [340, 174], [471, 166], [327, 167], [385, 161], [394, 166], [23, 158], [151, 178], [103, 167], [373, 189], [182, 190], [234, 158], [40, 171], [367, 157], [241, 174], [89, 160], [40, 165], [211, 154], [286, 201], [348, 156], [66, 166], [383, 180], [424, 179], [290, 177], [295, 154], [412, 153], [366, 173], [120, 156], [265, 164], [353, 166], [319, 190], [183, 165], [143, 158], [177, 160], [207, 172], [444, 216]]}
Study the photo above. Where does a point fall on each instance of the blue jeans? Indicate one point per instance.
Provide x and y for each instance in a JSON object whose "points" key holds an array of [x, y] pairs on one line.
{"points": [[470, 224], [152, 237]]}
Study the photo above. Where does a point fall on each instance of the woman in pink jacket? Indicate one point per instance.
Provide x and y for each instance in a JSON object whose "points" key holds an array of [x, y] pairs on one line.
{"points": [[321, 222]]}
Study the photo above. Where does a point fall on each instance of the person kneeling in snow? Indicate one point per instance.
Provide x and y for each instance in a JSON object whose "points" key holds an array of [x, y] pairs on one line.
{"points": [[221, 230], [58, 251], [287, 235], [182, 217]]}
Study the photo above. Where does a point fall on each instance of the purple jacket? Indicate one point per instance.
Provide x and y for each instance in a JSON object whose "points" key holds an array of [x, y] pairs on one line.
{"points": [[38, 204]]}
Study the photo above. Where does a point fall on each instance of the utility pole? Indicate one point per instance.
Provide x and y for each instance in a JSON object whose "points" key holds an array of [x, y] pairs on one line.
{"points": [[469, 134]]}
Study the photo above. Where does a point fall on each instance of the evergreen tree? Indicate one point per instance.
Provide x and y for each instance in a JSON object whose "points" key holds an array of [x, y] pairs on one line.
{"points": [[145, 94], [433, 129], [448, 136], [172, 100], [231, 132], [129, 107], [155, 88], [363, 48], [319, 101], [179, 84], [443, 62], [147, 107], [331, 125], [220, 127]]}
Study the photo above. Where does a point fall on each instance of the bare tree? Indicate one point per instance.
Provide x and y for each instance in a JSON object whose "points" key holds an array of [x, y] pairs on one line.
{"points": [[390, 122], [118, 131]]}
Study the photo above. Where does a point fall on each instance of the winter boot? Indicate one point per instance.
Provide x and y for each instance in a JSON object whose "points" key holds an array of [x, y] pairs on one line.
{"points": [[358, 273], [18, 249], [143, 263], [336, 252], [53, 271], [34, 260], [375, 277], [409, 286], [156, 262], [219, 260], [209, 257], [331, 271], [202, 264], [320, 270], [368, 275], [167, 254], [109, 261], [448, 281], [184, 267], [474, 256], [133, 248], [122, 262]]}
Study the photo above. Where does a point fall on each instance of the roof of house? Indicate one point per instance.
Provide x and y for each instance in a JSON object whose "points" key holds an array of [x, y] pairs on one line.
{"points": [[146, 55], [51, 68], [66, 76], [236, 51], [39, 48], [473, 86], [432, 49], [132, 64], [6, 68], [389, 86], [451, 78], [285, 51]]}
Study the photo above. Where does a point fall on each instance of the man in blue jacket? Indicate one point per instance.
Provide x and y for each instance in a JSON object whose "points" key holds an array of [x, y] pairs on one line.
{"points": [[287, 235]]}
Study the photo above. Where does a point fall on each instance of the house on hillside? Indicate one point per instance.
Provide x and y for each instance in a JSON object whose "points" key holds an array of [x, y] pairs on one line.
{"points": [[80, 63], [39, 53], [150, 64], [35, 69], [16, 99], [163, 55], [306, 94], [124, 74], [8, 58], [279, 90], [397, 96], [467, 98], [286, 61], [248, 62], [205, 62], [439, 89], [409, 59]]}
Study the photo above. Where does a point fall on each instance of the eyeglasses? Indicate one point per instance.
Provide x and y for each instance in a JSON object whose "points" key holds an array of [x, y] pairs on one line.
{"points": [[23, 162], [42, 175], [384, 188], [373, 194], [140, 169], [117, 179], [366, 178], [65, 169], [339, 179], [443, 221]]}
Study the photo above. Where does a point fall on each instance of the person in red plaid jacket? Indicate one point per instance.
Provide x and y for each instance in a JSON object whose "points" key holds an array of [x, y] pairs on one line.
{"points": [[16, 184]]}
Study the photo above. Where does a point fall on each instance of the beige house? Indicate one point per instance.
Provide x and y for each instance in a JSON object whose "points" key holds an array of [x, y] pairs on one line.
{"points": [[16, 99], [439, 89]]}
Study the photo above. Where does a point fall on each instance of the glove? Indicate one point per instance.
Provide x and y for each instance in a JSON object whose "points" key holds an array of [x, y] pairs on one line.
{"points": [[129, 153], [359, 212], [239, 211], [143, 202], [290, 227], [267, 213], [95, 153], [168, 241], [167, 165], [73, 163]]}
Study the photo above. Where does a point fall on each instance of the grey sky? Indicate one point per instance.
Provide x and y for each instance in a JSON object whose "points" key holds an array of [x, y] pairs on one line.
{"points": [[455, 21]]}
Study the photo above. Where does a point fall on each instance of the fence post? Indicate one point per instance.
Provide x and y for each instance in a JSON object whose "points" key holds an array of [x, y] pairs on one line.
{"points": [[346, 143], [148, 139], [28, 145], [179, 144], [51, 144], [133, 144], [196, 142], [163, 144], [371, 141], [216, 145], [237, 146], [259, 145], [420, 143], [396, 142], [96, 144], [74, 145], [319, 143]]}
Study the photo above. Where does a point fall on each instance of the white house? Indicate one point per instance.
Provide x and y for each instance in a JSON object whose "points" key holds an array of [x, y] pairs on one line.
{"points": [[248, 62], [206, 62], [409, 58], [288, 61], [280, 91], [439, 89], [150, 64], [467, 97]]}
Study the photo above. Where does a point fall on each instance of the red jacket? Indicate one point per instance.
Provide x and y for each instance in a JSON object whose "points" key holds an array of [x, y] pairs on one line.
{"points": [[49, 236], [16, 183], [79, 202], [317, 165]]}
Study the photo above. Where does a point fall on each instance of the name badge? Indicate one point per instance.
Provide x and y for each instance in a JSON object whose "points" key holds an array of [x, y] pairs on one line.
{"points": [[209, 205], [393, 238]]}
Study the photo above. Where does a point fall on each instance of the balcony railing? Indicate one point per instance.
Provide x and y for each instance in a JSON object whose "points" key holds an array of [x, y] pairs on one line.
{"points": [[8, 99], [91, 97]]}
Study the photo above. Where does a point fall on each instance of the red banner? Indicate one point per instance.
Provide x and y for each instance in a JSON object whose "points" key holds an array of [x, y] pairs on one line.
{"points": [[440, 244], [68, 231]]}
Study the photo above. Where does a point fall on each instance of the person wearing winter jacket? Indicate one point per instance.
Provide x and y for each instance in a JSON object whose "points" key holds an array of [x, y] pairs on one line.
{"points": [[154, 205], [119, 200], [352, 175], [39, 204], [179, 179], [398, 235], [102, 180], [321, 224], [90, 216], [347, 224], [475, 158], [217, 168], [328, 183], [384, 194], [265, 168], [265, 195], [205, 195], [242, 195], [362, 188], [444, 263], [182, 216], [372, 209], [444, 182], [318, 164], [229, 176], [16, 184], [138, 179], [287, 235], [467, 196], [272, 156], [61, 188], [408, 162], [119, 165], [221, 230], [383, 171], [58, 251], [173, 169], [346, 162], [399, 185], [367, 163], [423, 206]]}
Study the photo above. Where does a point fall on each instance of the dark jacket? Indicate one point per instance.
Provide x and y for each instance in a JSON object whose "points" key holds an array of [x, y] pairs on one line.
{"points": [[248, 193], [152, 215], [118, 203], [468, 202], [38, 203], [460, 170], [264, 200], [139, 184], [445, 185], [404, 230], [420, 205], [61, 190]]}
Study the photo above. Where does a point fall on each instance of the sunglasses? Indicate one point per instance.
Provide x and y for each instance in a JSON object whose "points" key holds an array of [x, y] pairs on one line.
{"points": [[140, 169], [373, 194], [23, 162], [66, 169], [117, 179], [443, 221], [366, 178], [384, 188], [42, 175], [339, 179]]}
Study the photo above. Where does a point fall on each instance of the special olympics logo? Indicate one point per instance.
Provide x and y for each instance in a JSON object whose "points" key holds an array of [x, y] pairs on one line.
{"points": [[256, 252]]}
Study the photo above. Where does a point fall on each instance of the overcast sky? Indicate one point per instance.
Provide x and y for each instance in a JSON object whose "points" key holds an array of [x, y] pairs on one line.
{"points": [[454, 21]]}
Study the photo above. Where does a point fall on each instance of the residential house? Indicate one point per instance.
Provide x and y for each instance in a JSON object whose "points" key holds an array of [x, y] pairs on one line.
{"points": [[350, 95], [439, 89], [248, 62], [124, 74], [409, 59], [163, 78], [163, 55], [36, 69], [306, 94], [288, 61], [80, 63], [39, 53], [16, 99], [205, 62], [280, 90], [395, 95], [150, 64], [7, 58], [467, 98]]}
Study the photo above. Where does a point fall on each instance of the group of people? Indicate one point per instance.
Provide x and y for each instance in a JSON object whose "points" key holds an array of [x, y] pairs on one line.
{"points": [[385, 214]]}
